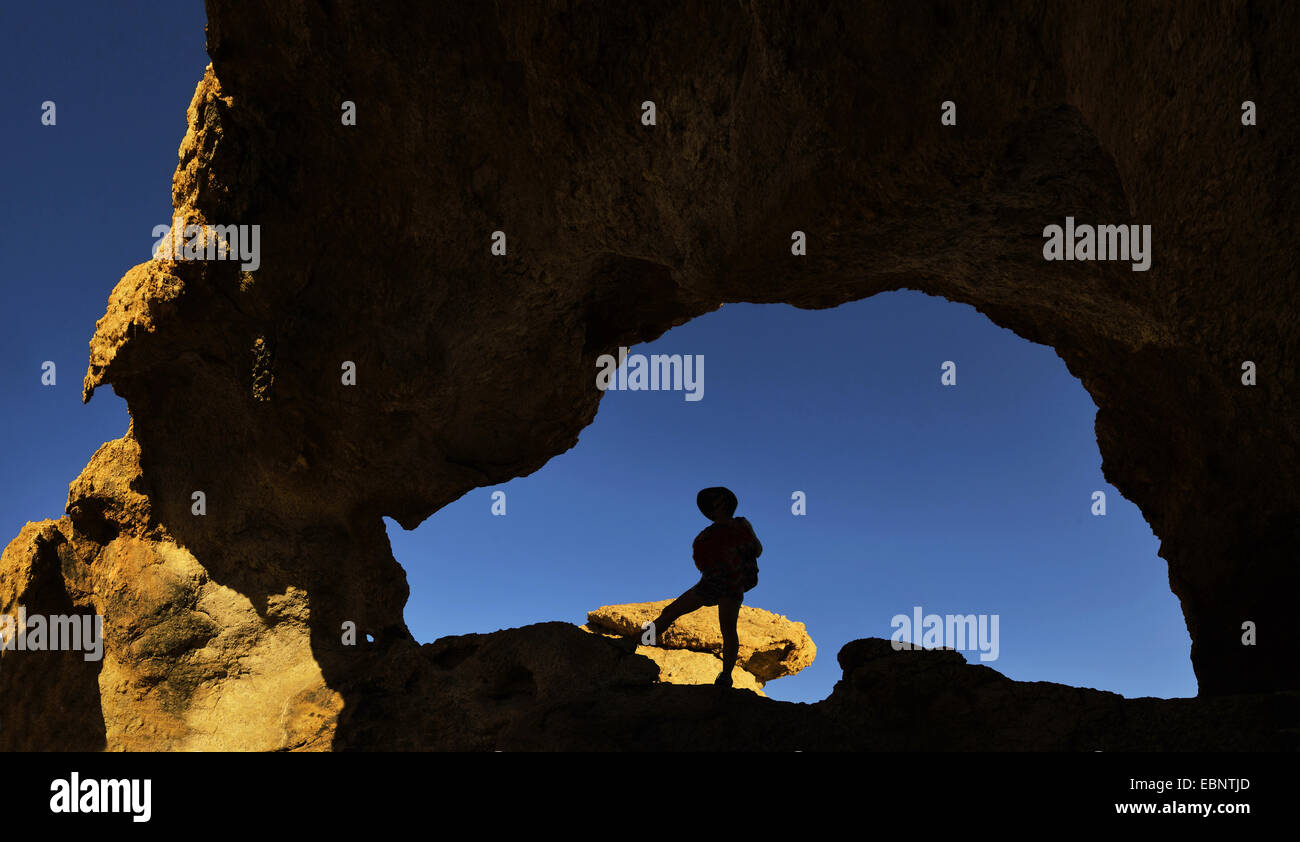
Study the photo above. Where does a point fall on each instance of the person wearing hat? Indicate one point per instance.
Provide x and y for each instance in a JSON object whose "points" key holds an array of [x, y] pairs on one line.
{"points": [[726, 554]]}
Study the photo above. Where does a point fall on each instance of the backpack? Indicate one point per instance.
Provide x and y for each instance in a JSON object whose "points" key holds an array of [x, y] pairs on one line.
{"points": [[749, 559], [749, 573]]}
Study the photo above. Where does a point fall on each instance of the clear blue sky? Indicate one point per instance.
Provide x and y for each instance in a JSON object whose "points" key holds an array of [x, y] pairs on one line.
{"points": [[970, 499]]}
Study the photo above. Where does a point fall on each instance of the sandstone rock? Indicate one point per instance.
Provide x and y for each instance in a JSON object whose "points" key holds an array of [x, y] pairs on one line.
{"points": [[932, 700], [187, 663], [685, 666], [459, 693], [771, 645], [551, 686], [51, 700]]}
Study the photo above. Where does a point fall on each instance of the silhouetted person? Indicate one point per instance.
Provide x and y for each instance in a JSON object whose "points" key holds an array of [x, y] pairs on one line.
{"points": [[726, 554]]}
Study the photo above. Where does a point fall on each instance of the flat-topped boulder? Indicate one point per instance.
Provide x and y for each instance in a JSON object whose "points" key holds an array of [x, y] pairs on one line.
{"points": [[771, 645]]}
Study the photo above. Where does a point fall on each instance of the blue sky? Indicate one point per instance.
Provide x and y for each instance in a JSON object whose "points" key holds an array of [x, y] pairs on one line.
{"points": [[967, 499]]}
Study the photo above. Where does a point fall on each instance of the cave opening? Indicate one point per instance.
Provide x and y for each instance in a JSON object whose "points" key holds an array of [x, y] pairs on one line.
{"points": [[974, 498]]}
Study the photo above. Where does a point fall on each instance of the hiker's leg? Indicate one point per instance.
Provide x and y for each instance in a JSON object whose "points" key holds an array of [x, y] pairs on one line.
{"points": [[679, 607], [728, 615]]}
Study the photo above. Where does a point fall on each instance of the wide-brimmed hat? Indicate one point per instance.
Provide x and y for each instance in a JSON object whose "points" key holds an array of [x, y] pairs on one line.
{"points": [[708, 495]]}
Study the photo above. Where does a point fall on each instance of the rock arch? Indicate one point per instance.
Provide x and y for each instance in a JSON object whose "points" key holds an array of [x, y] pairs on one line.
{"points": [[474, 368]]}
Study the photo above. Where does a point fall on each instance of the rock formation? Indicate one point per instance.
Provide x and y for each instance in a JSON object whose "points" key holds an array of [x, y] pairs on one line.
{"points": [[690, 651], [932, 700], [685, 666], [223, 630]]}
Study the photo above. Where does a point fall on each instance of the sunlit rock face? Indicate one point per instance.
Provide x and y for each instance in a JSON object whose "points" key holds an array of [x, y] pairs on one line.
{"points": [[689, 651], [471, 367]]}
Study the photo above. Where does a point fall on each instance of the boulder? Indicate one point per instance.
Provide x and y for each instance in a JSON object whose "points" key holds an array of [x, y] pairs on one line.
{"points": [[771, 645]]}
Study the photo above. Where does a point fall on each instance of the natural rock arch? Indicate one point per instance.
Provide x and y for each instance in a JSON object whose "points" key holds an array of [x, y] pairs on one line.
{"points": [[474, 368]]}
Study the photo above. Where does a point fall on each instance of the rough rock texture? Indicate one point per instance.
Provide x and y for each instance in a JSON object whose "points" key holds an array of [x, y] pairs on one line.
{"points": [[473, 369], [474, 687], [926, 700], [684, 666], [932, 700], [771, 645], [50, 698], [553, 687]]}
